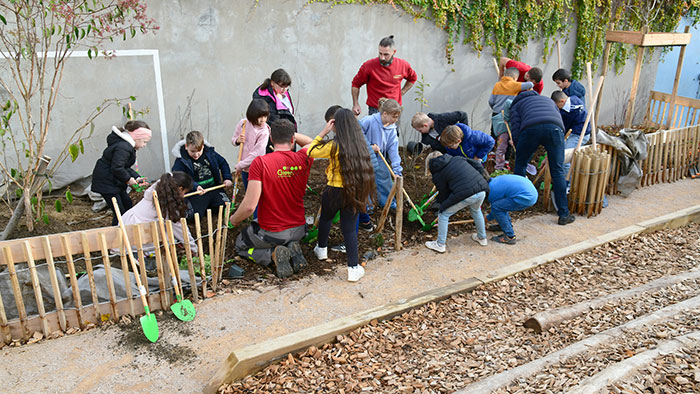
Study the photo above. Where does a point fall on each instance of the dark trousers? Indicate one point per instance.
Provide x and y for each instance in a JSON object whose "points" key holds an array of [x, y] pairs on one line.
{"points": [[123, 200], [257, 244], [244, 178], [552, 138], [211, 200], [331, 202]]}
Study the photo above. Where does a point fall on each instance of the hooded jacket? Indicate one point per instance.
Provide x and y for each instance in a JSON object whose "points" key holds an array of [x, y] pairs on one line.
{"points": [[475, 143], [113, 170], [530, 109], [441, 121], [574, 116], [183, 162], [456, 178], [277, 109]]}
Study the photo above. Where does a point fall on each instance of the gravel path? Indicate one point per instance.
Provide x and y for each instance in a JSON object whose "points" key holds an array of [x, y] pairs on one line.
{"points": [[442, 347]]}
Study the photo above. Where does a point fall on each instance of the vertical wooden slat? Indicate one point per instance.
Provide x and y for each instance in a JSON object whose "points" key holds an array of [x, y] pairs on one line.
{"points": [[399, 213], [164, 293], [125, 271], [19, 301], [573, 182], [547, 186], [37, 288], [601, 190], [73, 280], [629, 116], [222, 251], [142, 258], [658, 156], [91, 276], [54, 284], [217, 248], [108, 275], [173, 253], [188, 255], [200, 252], [592, 184], [212, 261], [583, 183], [674, 91], [4, 327]]}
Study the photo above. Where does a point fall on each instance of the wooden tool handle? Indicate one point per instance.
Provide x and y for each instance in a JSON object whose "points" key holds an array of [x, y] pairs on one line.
{"points": [[402, 189], [190, 194], [164, 235], [134, 267]]}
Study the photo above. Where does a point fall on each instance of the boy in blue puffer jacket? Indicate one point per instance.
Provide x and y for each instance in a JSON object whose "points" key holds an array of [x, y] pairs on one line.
{"points": [[461, 140]]}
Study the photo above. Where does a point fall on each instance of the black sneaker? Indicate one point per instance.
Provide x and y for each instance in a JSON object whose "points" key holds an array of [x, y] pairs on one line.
{"points": [[493, 227], [504, 239], [339, 248], [298, 260], [367, 226], [563, 221], [281, 257]]}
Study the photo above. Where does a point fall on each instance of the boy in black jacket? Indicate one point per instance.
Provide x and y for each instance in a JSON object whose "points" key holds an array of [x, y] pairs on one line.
{"points": [[432, 125], [461, 182], [206, 167]]}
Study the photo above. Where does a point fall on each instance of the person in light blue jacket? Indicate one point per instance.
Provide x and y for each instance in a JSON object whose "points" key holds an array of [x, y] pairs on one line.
{"points": [[380, 132], [508, 193]]}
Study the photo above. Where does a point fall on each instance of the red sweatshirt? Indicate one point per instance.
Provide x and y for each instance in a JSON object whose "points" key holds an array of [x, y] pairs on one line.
{"points": [[383, 81]]}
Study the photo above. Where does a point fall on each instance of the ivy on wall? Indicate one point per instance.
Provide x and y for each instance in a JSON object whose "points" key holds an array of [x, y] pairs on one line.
{"points": [[506, 26]]}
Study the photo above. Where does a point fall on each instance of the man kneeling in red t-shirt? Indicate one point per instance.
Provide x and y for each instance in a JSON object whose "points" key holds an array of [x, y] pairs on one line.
{"points": [[276, 185]]}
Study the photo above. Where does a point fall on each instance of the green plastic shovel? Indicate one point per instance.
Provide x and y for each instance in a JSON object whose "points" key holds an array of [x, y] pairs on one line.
{"points": [[149, 325], [414, 214], [183, 309]]}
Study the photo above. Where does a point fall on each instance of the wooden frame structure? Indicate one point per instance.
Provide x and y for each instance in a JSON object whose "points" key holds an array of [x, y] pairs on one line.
{"points": [[30, 254]]}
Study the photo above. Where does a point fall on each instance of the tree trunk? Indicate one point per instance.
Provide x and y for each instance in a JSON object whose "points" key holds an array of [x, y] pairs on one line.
{"points": [[12, 223]]}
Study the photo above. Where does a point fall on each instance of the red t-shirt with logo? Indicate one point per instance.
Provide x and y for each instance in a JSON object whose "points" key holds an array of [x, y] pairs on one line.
{"points": [[383, 81], [284, 176], [523, 68]]}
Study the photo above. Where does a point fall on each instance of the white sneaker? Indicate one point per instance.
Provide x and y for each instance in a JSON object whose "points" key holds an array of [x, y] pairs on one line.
{"points": [[482, 242], [434, 245], [321, 253], [355, 273]]}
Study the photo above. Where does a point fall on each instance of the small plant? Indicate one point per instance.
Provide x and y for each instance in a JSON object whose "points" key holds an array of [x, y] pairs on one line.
{"points": [[196, 265], [499, 172]]}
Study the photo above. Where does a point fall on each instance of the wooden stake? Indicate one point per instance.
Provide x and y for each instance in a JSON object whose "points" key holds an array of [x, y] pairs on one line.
{"points": [[37, 288], [188, 255], [4, 327], [19, 301], [584, 183], [399, 214], [200, 250], [594, 131], [212, 257], [546, 198], [162, 280], [108, 274], [558, 54], [125, 272], [601, 188], [635, 83], [222, 251], [674, 93], [73, 280], [217, 248], [592, 184], [385, 210], [141, 257], [173, 251], [604, 73], [91, 275], [54, 283]]}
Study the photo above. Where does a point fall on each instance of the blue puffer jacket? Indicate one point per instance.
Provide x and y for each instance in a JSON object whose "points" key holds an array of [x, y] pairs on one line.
{"points": [[475, 143], [530, 109], [456, 178], [575, 117]]}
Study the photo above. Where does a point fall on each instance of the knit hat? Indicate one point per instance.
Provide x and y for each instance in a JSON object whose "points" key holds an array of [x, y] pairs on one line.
{"points": [[141, 133]]}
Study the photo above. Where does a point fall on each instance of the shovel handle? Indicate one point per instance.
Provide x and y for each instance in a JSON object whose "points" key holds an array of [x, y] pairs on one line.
{"points": [[402, 189], [164, 235], [503, 114], [131, 256], [190, 194]]}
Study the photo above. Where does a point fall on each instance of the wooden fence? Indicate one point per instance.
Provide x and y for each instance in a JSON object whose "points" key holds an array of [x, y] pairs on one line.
{"points": [[41, 306], [684, 113]]}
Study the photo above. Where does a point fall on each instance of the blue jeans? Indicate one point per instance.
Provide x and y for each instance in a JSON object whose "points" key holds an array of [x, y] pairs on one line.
{"points": [[570, 143], [500, 209], [552, 138], [384, 182], [474, 203]]}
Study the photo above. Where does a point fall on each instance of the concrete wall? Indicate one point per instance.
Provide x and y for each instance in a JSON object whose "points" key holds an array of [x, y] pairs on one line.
{"points": [[215, 53]]}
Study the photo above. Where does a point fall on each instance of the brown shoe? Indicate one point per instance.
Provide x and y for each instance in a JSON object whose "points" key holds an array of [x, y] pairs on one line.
{"points": [[281, 257]]}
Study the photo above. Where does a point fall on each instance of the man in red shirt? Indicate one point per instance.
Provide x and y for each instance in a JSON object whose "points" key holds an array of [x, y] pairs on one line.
{"points": [[383, 76], [276, 185], [527, 73]]}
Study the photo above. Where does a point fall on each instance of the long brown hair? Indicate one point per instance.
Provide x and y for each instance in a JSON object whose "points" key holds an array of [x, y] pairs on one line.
{"points": [[169, 196], [353, 157]]}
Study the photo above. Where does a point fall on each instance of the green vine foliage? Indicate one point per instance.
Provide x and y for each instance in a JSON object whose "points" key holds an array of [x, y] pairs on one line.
{"points": [[506, 26]]}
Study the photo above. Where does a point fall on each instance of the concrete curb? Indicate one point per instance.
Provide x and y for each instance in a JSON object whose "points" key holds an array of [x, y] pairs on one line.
{"points": [[250, 359]]}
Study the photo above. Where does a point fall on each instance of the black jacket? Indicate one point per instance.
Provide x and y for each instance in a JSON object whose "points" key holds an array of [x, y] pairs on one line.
{"points": [[113, 170], [441, 122], [183, 162], [530, 109], [276, 112], [456, 178]]}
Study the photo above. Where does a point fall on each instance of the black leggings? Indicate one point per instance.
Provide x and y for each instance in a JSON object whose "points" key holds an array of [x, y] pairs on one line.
{"points": [[123, 200], [331, 202]]}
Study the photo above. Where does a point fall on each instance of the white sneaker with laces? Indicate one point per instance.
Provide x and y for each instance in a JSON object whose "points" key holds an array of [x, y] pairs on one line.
{"points": [[482, 242], [355, 273], [434, 245], [321, 253]]}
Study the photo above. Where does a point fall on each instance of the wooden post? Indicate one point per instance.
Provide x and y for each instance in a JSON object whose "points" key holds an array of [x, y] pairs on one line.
{"points": [[91, 276], [218, 259], [4, 327], [142, 258], [212, 261], [162, 280], [399, 214], [73, 280], [603, 72], [601, 190], [125, 272], [54, 283], [173, 251], [188, 255], [592, 184], [37, 288], [200, 251], [629, 116], [385, 210], [108, 275], [591, 105], [547, 187], [674, 92], [558, 54], [222, 251], [19, 301]]}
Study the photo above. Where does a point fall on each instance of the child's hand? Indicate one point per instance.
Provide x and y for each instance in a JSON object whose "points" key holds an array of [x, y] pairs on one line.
{"points": [[241, 139], [375, 148], [131, 182], [200, 190], [227, 183], [328, 128]]}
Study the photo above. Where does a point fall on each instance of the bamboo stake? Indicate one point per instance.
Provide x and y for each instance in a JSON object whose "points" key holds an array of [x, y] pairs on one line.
{"points": [[4, 327], [601, 189], [200, 250], [54, 284], [666, 158], [592, 185], [222, 252], [108, 274], [558, 54], [594, 131], [73, 280], [37, 288], [162, 280], [218, 261], [173, 251], [19, 301], [212, 261], [584, 183], [399, 213], [141, 257], [498, 69], [385, 210], [188, 255], [598, 88], [91, 276], [573, 183], [125, 271]]}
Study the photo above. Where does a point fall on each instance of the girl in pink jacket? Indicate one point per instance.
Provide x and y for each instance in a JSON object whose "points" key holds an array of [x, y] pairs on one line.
{"points": [[253, 132]]}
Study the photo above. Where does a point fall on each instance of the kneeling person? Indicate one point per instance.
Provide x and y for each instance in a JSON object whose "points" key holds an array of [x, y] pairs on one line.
{"points": [[508, 193], [276, 185]]}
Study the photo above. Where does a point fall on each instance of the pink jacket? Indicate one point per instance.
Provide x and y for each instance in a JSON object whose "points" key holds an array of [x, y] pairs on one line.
{"points": [[255, 142]]}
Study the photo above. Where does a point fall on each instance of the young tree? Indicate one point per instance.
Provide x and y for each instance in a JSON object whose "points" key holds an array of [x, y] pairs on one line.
{"points": [[36, 39]]}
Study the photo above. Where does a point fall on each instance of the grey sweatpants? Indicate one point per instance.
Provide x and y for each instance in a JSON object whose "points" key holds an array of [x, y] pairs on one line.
{"points": [[257, 244]]}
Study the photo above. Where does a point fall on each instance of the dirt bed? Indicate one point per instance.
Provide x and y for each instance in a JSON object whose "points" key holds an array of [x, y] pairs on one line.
{"points": [[442, 347]]}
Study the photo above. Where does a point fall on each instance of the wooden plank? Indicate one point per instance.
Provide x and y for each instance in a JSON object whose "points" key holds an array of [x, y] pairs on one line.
{"points": [[188, 255], [54, 284], [162, 280], [36, 285], [127, 277], [625, 37], [108, 276], [90, 273], [68, 253], [200, 251], [399, 214], [19, 301], [680, 100], [674, 92], [629, 115], [666, 39]]}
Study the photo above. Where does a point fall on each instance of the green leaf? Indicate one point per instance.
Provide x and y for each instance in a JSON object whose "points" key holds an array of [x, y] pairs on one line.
{"points": [[132, 98], [45, 218], [18, 193], [13, 172], [69, 196], [33, 200], [82, 147], [74, 151], [89, 53], [58, 206], [3, 20]]}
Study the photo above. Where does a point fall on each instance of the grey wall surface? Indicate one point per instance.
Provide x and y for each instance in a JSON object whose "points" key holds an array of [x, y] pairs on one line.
{"points": [[213, 55]]}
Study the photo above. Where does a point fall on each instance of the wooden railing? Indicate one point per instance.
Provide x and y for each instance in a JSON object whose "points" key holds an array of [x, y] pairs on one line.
{"points": [[685, 112]]}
